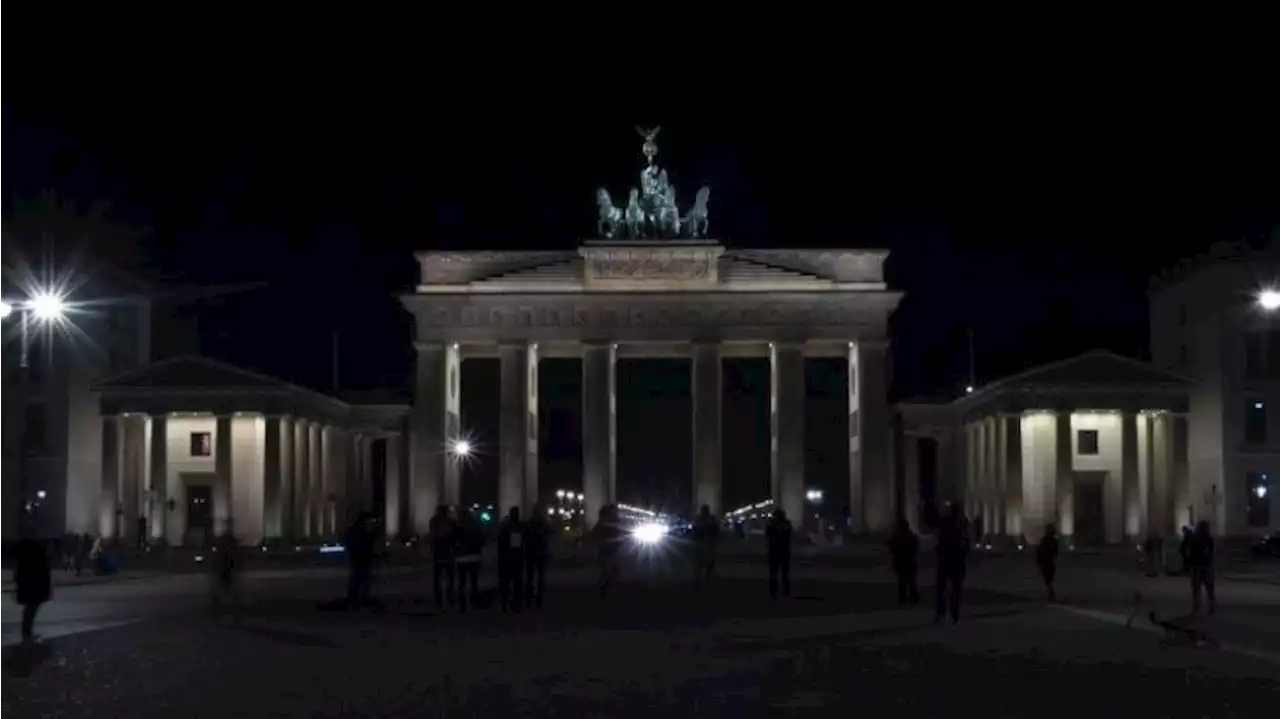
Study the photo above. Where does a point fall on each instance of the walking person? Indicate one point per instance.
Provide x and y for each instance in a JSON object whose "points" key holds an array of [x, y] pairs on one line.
{"points": [[953, 550], [468, 544], [34, 584], [226, 574], [142, 534], [1047, 558], [360, 545], [778, 536], [706, 533], [607, 535], [511, 561], [443, 533], [1200, 564], [904, 546], [537, 551]]}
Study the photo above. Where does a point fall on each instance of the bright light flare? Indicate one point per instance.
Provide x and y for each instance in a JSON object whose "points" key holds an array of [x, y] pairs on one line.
{"points": [[649, 533], [48, 307], [1269, 299], [462, 448], [6, 309]]}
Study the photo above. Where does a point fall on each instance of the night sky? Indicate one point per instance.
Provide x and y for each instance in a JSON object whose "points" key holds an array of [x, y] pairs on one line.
{"points": [[1036, 232]]}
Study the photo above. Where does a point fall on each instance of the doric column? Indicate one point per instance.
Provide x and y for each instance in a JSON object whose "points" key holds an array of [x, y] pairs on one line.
{"points": [[911, 479], [300, 525], [518, 427], [1013, 474], [391, 486], [288, 481], [707, 391], [1180, 478], [1130, 497], [133, 478], [273, 461], [222, 481], [435, 425], [159, 473], [1063, 492], [869, 370], [315, 487], [788, 396], [112, 475], [971, 496], [599, 441]]}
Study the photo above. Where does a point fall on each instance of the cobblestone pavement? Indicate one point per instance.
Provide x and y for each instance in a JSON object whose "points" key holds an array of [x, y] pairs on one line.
{"points": [[833, 648]]}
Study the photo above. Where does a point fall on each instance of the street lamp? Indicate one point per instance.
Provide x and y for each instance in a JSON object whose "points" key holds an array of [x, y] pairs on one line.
{"points": [[559, 494], [1268, 299], [814, 495], [47, 308], [461, 448]]}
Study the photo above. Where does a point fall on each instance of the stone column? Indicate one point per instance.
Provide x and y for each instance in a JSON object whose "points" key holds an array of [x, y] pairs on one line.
{"points": [[222, 485], [132, 478], [531, 494], [1064, 480], [707, 391], [316, 467], [435, 425], [877, 474], [1180, 478], [273, 491], [788, 397], [288, 481], [301, 524], [911, 480], [599, 441], [112, 475], [391, 486], [1013, 474], [518, 426], [1130, 497], [159, 477]]}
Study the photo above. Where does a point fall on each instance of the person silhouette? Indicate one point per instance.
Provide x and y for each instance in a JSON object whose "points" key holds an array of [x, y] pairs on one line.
{"points": [[778, 536]]}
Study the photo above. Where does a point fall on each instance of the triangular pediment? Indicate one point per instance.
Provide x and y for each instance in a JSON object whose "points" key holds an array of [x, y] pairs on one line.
{"points": [[1097, 369], [191, 373]]}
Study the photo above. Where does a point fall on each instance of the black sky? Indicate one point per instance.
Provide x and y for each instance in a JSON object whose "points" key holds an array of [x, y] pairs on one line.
{"points": [[1036, 231]]}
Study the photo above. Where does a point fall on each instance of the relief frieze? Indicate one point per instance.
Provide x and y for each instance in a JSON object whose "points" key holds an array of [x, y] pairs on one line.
{"points": [[586, 316]]}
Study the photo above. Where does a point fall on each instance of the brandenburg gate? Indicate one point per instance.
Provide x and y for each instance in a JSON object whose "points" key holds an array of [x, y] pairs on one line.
{"points": [[652, 284]]}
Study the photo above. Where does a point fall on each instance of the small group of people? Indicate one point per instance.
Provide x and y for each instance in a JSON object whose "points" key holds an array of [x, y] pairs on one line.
{"points": [[1197, 551], [456, 541], [952, 562]]}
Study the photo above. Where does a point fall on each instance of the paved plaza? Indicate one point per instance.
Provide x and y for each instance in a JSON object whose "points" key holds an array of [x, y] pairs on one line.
{"points": [[840, 644]]}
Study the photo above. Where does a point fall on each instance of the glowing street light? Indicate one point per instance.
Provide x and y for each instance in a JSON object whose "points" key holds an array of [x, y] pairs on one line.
{"points": [[968, 389], [1269, 299], [581, 496], [559, 494], [814, 495], [461, 448], [5, 309], [48, 307]]}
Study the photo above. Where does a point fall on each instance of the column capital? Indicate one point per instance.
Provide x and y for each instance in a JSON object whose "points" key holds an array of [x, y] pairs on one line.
{"points": [[426, 347]]}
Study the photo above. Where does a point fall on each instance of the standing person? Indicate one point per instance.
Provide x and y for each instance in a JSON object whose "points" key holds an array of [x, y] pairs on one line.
{"points": [[953, 550], [468, 544], [226, 573], [511, 561], [142, 533], [537, 551], [1200, 564], [360, 544], [1184, 549], [442, 530], [778, 535], [904, 545], [607, 535], [1047, 558], [706, 533], [34, 585]]}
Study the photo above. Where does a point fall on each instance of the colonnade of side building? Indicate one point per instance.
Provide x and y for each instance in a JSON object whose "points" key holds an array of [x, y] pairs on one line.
{"points": [[269, 477], [436, 422], [1018, 471]]}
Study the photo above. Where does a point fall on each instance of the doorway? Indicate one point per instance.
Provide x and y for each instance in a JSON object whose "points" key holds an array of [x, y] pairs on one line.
{"points": [[199, 511], [1089, 511]]}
